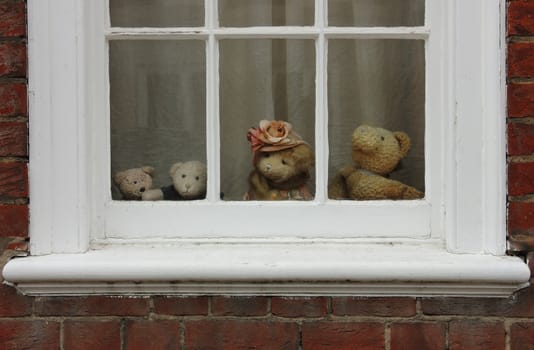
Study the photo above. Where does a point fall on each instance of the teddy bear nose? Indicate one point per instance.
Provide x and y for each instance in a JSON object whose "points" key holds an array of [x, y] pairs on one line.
{"points": [[142, 189]]}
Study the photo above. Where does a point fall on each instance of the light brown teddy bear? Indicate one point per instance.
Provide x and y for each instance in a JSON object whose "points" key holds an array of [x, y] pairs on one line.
{"points": [[376, 152], [282, 163], [132, 183]]}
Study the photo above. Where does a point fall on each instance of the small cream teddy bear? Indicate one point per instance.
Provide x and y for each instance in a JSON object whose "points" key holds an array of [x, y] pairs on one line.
{"points": [[188, 182]]}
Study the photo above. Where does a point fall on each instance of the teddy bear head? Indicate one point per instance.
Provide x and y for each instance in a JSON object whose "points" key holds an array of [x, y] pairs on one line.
{"points": [[378, 150], [133, 182], [288, 168], [189, 179]]}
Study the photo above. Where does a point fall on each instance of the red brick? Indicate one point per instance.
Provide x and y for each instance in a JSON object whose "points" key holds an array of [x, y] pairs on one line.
{"points": [[239, 306], [12, 18], [14, 220], [474, 334], [13, 139], [158, 334], [34, 335], [13, 100], [521, 304], [13, 304], [19, 245], [520, 62], [4, 241], [409, 336], [181, 306], [364, 306], [89, 335], [522, 336], [91, 306], [12, 59], [520, 139], [13, 180], [520, 241], [521, 18], [240, 335], [520, 100], [521, 225], [520, 179], [343, 335], [520, 216], [299, 307]]}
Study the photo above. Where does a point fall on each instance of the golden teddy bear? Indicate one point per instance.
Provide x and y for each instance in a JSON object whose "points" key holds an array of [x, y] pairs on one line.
{"points": [[376, 152]]}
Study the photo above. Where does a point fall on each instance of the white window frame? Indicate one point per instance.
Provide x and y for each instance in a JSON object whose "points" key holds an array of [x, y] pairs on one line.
{"points": [[141, 220], [453, 245]]}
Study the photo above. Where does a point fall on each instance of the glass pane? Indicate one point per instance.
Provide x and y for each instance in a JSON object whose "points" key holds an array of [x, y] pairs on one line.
{"points": [[379, 83], [265, 80], [158, 112], [376, 13], [156, 13], [245, 13]]}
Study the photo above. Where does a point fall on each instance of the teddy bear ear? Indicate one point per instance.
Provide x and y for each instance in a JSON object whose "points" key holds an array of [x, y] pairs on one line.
{"points": [[404, 141], [174, 167], [148, 170], [119, 177]]}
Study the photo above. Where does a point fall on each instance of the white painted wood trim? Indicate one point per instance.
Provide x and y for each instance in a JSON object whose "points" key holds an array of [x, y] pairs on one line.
{"points": [[58, 168], [270, 269], [476, 185], [267, 32], [213, 142], [321, 105], [332, 219]]}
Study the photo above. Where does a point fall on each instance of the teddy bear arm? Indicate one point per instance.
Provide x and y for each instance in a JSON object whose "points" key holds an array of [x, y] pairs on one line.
{"points": [[337, 189], [259, 187], [376, 187], [152, 195], [366, 188]]}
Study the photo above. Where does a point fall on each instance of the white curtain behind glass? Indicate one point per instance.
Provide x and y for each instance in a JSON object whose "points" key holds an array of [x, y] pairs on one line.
{"points": [[379, 82]]}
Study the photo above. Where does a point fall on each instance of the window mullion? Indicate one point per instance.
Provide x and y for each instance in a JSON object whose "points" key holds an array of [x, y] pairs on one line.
{"points": [[212, 103], [321, 109]]}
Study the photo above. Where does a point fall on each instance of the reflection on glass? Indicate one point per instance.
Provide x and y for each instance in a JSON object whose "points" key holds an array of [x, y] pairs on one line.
{"points": [[156, 13], [158, 98], [380, 83], [244, 13], [377, 13], [262, 80]]}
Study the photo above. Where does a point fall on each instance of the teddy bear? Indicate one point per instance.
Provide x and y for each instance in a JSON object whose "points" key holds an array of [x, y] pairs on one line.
{"points": [[188, 182], [132, 183], [282, 163], [376, 152]]}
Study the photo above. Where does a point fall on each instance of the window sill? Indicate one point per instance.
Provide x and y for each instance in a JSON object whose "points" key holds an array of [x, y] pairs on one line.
{"points": [[305, 269]]}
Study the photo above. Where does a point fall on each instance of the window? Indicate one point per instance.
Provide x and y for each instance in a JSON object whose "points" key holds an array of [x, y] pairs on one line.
{"points": [[88, 71], [178, 93]]}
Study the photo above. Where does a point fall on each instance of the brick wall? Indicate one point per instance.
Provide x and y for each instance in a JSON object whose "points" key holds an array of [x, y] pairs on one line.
{"points": [[263, 323], [521, 127]]}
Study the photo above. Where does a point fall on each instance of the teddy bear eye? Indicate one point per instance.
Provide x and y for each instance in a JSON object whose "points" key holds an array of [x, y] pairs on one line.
{"points": [[284, 162], [382, 138], [183, 176], [135, 182], [267, 155], [197, 178]]}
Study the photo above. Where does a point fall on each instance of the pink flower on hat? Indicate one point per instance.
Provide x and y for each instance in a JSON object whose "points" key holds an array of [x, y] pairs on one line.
{"points": [[273, 135]]}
